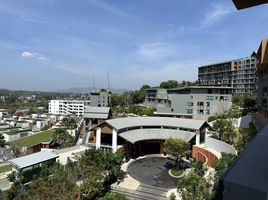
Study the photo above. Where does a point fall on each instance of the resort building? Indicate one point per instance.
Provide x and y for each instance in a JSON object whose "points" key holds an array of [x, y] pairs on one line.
{"points": [[146, 135], [197, 102], [238, 74], [67, 107], [99, 99], [95, 115], [261, 118], [31, 165]]}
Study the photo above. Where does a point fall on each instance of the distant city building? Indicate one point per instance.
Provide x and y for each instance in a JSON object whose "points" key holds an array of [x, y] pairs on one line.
{"points": [[67, 107], [262, 84], [195, 102], [239, 74], [99, 99]]}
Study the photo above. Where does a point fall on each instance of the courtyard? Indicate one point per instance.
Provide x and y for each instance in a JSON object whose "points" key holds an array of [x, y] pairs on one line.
{"points": [[152, 171]]}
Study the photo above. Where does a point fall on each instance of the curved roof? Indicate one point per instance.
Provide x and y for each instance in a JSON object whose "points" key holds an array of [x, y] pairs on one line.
{"points": [[120, 123], [155, 134]]}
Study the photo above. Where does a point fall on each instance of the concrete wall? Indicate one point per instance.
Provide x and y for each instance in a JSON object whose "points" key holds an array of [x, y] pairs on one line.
{"points": [[219, 146], [204, 155]]}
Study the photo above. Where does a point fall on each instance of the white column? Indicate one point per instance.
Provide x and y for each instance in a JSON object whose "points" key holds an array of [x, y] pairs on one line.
{"points": [[197, 137], [114, 142], [98, 138]]}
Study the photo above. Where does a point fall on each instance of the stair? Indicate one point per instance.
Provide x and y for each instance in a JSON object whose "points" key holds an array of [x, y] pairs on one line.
{"points": [[144, 192]]}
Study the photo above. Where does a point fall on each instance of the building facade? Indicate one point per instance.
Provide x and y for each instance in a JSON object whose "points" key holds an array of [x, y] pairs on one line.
{"points": [[138, 136], [262, 84], [99, 99], [238, 74], [191, 102], [67, 107]]}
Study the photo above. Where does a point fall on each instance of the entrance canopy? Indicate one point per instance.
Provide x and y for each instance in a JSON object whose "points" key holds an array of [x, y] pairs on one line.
{"points": [[136, 135]]}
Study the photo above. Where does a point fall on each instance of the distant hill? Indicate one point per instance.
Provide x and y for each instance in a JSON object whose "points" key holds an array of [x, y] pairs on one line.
{"points": [[88, 89], [81, 90]]}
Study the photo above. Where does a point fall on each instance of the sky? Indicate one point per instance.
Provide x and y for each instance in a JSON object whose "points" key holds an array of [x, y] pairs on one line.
{"points": [[57, 44]]}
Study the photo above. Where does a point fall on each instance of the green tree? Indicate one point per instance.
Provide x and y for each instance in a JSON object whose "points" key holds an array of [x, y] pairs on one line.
{"points": [[70, 123], [51, 187], [198, 167], [2, 141], [177, 148], [220, 167], [62, 138], [193, 187], [169, 84], [114, 196], [218, 127], [229, 132], [97, 169]]}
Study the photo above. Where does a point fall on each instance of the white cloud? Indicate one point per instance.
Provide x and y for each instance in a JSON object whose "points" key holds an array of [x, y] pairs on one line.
{"points": [[29, 54], [110, 8], [158, 50], [216, 14]]}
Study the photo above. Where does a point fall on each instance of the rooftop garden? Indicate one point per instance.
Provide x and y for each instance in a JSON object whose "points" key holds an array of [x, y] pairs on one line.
{"points": [[5, 168], [33, 139]]}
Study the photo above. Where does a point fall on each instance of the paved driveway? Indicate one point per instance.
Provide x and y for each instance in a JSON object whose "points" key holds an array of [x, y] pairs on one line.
{"points": [[152, 171]]}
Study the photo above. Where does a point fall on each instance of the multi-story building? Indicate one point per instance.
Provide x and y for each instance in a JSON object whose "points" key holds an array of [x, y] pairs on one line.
{"points": [[239, 74], [99, 99], [262, 84], [66, 107], [198, 102]]}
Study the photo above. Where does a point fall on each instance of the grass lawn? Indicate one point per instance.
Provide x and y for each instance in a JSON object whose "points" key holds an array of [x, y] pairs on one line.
{"points": [[33, 139], [176, 172], [5, 168]]}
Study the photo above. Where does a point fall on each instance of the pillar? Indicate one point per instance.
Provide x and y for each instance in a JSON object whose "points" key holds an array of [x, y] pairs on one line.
{"points": [[197, 137], [114, 140], [98, 138]]}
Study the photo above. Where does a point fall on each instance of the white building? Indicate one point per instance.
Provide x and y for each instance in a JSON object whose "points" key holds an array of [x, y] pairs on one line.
{"points": [[66, 107]]}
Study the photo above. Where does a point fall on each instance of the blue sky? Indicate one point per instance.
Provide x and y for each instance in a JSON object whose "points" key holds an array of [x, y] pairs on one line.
{"points": [[57, 44]]}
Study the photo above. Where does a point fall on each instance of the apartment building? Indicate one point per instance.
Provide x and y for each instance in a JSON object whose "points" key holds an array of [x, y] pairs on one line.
{"points": [[198, 102], [66, 107], [238, 74], [99, 99], [262, 84]]}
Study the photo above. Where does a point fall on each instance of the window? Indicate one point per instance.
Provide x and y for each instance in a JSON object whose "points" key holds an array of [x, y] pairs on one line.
{"points": [[208, 104], [189, 111], [200, 111], [207, 112], [189, 104], [210, 98], [200, 103]]}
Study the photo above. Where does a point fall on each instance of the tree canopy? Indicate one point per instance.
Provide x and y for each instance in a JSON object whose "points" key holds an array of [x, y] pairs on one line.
{"points": [[176, 147], [193, 187], [2, 141]]}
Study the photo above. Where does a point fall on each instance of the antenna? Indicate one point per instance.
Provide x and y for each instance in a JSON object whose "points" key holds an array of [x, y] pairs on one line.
{"points": [[93, 84], [108, 81]]}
